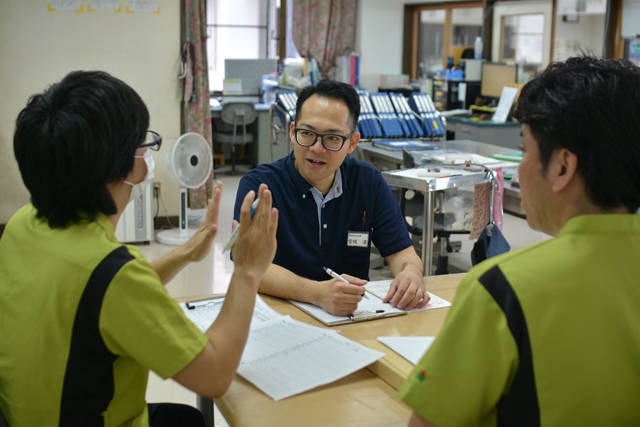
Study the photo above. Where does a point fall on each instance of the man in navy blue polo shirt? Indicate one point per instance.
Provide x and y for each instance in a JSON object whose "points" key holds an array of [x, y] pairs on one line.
{"points": [[331, 208]]}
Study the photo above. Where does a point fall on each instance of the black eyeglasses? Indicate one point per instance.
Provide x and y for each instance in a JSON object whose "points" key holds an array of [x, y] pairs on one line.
{"points": [[153, 140], [331, 142]]}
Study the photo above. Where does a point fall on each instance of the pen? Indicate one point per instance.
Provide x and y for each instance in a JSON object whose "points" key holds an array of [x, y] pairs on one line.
{"points": [[193, 305], [364, 219], [335, 275], [234, 235]]}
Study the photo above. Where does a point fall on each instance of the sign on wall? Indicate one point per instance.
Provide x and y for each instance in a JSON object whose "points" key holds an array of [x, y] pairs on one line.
{"points": [[79, 6]]}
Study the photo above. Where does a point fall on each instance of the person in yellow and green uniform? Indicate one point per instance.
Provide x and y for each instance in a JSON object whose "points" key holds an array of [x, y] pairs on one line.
{"points": [[84, 318], [549, 335]]}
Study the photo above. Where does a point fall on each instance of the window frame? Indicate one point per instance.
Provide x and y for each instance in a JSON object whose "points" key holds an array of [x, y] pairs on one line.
{"points": [[270, 28], [412, 13], [514, 8]]}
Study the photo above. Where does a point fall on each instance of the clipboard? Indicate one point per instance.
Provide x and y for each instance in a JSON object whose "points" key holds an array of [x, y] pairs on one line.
{"points": [[368, 309]]}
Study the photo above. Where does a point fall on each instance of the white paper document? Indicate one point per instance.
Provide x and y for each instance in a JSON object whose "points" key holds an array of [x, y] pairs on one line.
{"points": [[411, 348], [204, 313], [284, 357], [504, 105], [381, 287]]}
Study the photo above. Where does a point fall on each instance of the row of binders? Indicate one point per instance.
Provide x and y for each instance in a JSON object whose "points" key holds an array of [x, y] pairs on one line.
{"points": [[286, 100], [384, 115], [390, 115]]}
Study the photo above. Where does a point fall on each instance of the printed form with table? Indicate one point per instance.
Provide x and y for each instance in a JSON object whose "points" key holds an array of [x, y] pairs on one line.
{"points": [[284, 357]]}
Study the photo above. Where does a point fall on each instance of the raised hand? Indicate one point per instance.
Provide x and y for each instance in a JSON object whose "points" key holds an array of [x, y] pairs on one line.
{"points": [[256, 244]]}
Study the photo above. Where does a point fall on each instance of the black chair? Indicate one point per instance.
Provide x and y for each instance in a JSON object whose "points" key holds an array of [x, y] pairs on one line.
{"points": [[237, 115], [412, 206]]}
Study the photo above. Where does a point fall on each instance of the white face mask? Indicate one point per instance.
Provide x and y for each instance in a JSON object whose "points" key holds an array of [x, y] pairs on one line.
{"points": [[139, 188]]}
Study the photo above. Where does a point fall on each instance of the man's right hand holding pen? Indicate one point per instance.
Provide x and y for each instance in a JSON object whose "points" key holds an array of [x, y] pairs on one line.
{"points": [[337, 297]]}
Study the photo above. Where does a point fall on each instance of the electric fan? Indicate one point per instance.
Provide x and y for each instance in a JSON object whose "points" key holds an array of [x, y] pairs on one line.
{"points": [[191, 162]]}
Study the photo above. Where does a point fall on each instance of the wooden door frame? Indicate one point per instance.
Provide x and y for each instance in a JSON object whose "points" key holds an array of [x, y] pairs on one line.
{"points": [[411, 22]]}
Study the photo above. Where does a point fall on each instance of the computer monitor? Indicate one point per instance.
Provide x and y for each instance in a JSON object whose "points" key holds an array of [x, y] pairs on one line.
{"points": [[250, 71], [495, 76]]}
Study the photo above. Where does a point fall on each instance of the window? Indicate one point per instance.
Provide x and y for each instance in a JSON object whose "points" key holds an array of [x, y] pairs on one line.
{"points": [[437, 31], [579, 27], [239, 29], [521, 33], [522, 41]]}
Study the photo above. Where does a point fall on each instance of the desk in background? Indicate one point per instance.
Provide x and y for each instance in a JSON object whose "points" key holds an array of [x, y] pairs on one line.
{"points": [[360, 399], [386, 160], [260, 151], [503, 134], [390, 161]]}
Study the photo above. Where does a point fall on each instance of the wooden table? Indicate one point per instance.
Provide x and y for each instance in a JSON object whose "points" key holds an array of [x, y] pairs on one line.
{"points": [[360, 399]]}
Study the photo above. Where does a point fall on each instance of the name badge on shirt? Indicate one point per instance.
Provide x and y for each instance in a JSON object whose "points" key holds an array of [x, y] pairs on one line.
{"points": [[359, 239]]}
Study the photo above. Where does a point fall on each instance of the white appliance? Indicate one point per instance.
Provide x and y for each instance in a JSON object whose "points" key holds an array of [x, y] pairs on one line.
{"points": [[191, 162], [472, 69], [136, 222]]}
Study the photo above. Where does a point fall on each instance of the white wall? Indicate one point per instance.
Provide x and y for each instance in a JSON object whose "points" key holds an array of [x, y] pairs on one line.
{"points": [[587, 34], [38, 47], [379, 38], [380, 29], [523, 7]]}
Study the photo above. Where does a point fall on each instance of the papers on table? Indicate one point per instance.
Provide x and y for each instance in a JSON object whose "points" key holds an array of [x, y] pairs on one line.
{"points": [[205, 312], [284, 357], [411, 348], [381, 287], [368, 309]]}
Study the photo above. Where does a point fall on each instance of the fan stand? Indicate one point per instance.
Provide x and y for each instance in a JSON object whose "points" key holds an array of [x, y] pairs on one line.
{"points": [[178, 236]]}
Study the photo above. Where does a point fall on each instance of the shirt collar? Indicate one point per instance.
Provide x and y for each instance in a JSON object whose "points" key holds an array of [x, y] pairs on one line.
{"points": [[604, 223], [302, 186]]}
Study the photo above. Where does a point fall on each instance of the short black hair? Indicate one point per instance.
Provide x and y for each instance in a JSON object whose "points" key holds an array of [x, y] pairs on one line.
{"points": [[73, 139], [331, 89], [591, 107]]}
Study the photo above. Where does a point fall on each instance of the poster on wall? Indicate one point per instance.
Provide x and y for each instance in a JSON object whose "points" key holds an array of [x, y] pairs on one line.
{"points": [[132, 6], [143, 6], [75, 5], [104, 5]]}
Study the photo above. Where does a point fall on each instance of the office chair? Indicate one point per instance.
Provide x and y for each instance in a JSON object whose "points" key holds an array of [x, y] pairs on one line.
{"points": [[238, 115], [439, 222]]}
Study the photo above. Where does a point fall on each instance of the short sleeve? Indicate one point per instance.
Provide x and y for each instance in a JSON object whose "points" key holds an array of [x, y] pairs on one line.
{"points": [[470, 365], [141, 321]]}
